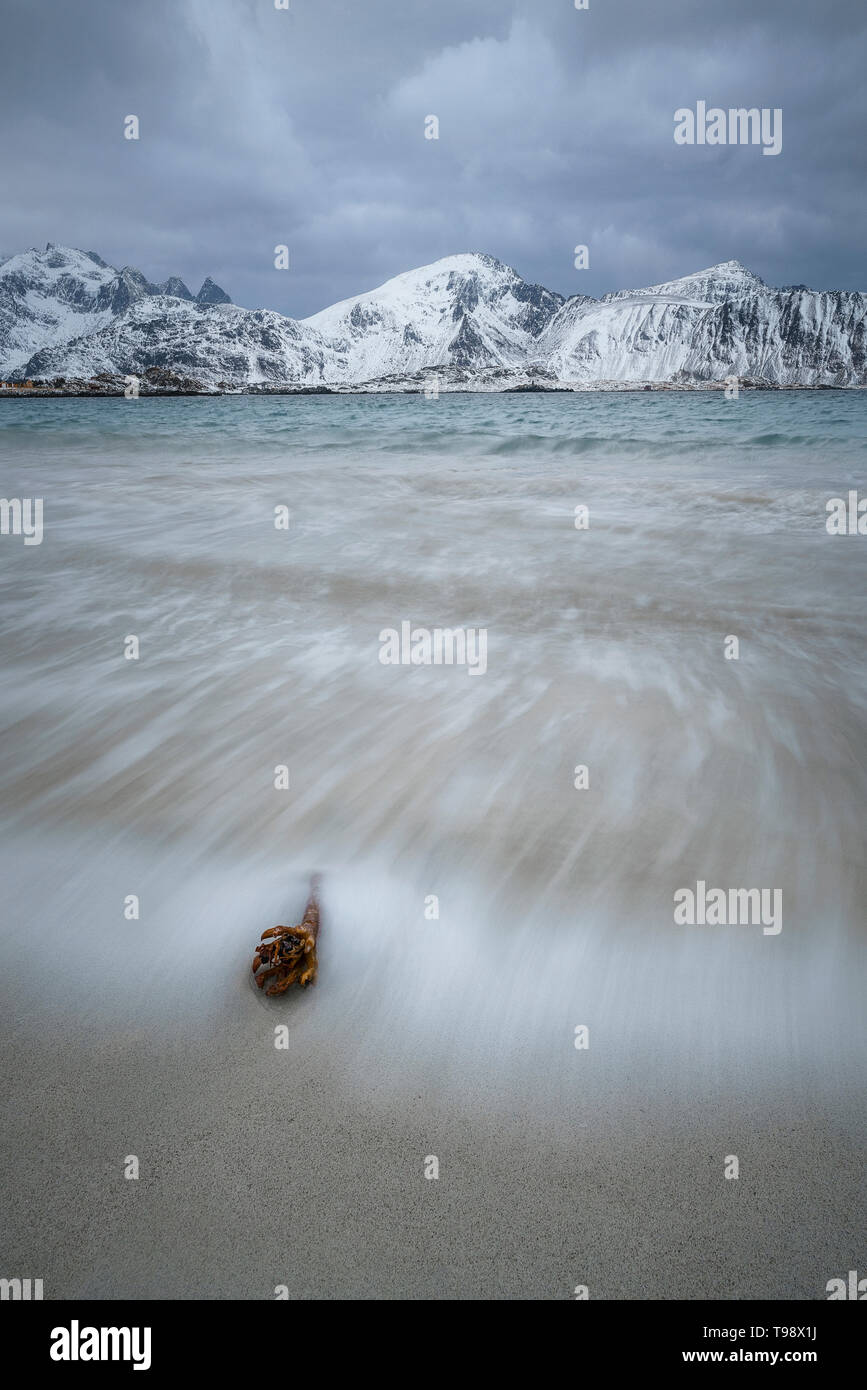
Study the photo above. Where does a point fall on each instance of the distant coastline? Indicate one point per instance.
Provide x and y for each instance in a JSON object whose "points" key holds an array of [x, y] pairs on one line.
{"points": [[111, 387]]}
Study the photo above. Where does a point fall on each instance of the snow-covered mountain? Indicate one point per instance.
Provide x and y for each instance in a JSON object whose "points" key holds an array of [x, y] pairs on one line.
{"points": [[462, 311], [66, 313], [212, 343], [718, 322], [57, 296]]}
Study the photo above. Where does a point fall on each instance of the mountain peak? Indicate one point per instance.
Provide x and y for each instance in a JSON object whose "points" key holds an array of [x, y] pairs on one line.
{"points": [[468, 261], [175, 287], [210, 293], [730, 270], [713, 285], [462, 309]]}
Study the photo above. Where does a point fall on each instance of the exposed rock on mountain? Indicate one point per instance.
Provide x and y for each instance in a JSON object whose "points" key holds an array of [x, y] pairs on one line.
{"points": [[176, 287], [212, 294]]}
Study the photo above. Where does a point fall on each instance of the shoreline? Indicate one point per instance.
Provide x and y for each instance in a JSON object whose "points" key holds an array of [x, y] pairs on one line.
{"points": [[206, 393]]}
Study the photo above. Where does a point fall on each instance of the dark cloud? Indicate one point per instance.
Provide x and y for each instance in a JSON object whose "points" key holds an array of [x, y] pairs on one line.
{"points": [[262, 127]]}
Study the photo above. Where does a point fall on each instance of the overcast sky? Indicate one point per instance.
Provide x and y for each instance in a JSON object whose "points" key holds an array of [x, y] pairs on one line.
{"points": [[262, 127]]}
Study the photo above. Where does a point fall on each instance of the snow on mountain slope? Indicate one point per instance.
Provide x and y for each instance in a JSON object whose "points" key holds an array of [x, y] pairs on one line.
{"points": [[65, 313], [718, 322], [52, 297], [210, 342], [631, 339], [463, 310]]}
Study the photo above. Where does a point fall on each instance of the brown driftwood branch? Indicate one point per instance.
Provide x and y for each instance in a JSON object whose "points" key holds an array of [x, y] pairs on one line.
{"points": [[289, 953]]}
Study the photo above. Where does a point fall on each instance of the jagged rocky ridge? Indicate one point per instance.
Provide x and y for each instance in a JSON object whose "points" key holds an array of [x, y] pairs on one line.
{"points": [[468, 320], [54, 298]]}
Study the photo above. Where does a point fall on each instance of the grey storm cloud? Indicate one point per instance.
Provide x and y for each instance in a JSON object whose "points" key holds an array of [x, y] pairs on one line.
{"points": [[305, 127]]}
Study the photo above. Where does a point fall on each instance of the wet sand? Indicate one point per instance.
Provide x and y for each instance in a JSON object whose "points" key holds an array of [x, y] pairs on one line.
{"points": [[304, 1167]]}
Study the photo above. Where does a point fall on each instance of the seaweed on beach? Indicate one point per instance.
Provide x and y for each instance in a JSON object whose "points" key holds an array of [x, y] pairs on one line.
{"points": [[288, 954]]}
